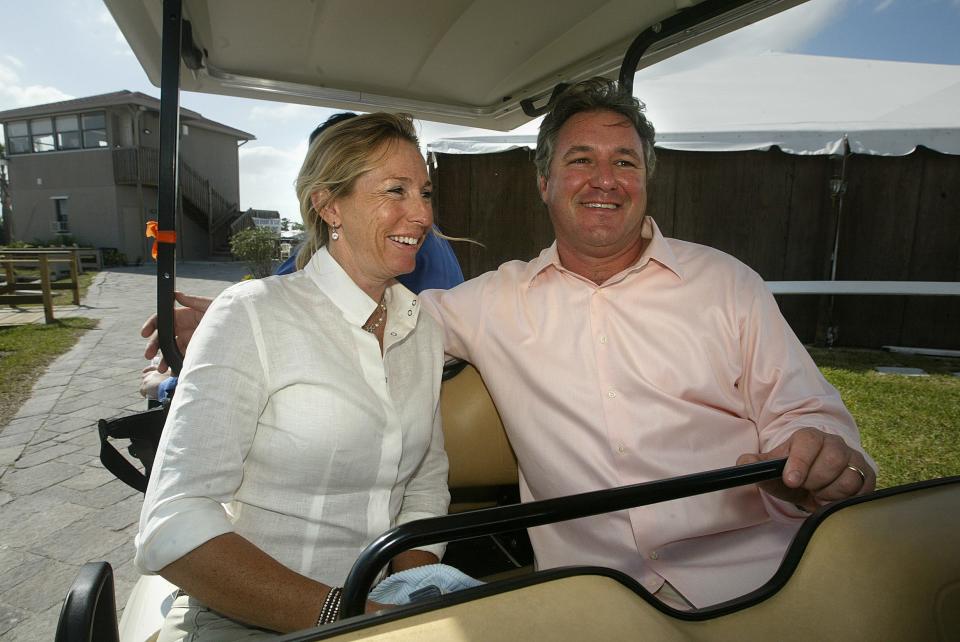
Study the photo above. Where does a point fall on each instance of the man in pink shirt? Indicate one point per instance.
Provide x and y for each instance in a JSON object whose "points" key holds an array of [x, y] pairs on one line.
{"points": [[618, 356]]}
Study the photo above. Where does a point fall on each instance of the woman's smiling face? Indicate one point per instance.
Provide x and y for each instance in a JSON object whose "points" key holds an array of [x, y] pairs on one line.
{"points": [[384, 219]]}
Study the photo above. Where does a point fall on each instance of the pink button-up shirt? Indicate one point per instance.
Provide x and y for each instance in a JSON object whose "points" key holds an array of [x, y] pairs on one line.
{"points": [[676, 365]]}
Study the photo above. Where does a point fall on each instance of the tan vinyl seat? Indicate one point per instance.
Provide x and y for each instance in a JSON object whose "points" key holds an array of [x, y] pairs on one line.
{"points": [[480, 455]]}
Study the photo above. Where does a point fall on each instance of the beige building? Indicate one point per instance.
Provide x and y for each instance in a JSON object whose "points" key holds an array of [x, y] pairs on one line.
{"points": [[85, 170]]}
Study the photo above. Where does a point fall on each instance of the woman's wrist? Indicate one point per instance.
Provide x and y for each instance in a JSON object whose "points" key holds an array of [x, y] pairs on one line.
{"points": [[330, 608]]}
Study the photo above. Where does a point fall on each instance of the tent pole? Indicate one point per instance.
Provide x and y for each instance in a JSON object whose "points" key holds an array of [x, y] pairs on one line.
{"points": [[838, 188]]}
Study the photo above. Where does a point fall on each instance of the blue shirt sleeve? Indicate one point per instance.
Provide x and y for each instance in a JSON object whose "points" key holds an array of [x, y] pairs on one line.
{"points": [[290, 265], [437, 266], [166, 389]]}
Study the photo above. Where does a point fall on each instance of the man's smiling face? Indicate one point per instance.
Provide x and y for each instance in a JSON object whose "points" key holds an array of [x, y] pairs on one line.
{"points": [[596, 194]]}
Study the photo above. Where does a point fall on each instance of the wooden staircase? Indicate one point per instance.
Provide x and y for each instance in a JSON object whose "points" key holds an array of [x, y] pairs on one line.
{"points": [[200, 201]]}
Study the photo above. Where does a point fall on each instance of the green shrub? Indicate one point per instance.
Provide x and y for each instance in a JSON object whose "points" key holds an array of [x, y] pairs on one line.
{"points": [[255, 247], [111, 257]]}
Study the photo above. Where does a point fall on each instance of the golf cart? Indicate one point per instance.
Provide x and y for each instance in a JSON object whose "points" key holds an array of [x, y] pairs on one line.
{"points": [[852, 572]]}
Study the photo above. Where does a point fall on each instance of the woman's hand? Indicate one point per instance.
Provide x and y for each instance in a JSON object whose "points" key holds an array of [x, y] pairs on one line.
{"points": [[412, 559], [377, 607]]}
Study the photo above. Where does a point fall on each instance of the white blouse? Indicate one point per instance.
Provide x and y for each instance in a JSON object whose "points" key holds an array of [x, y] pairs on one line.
{"points": [[289, 428]]}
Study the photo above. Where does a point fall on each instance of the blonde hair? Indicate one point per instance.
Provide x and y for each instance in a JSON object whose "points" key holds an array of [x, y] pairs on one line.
{"points": [[336, 159]]}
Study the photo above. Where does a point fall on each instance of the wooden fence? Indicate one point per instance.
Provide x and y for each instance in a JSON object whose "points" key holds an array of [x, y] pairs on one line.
{"points": [[45, 262], [898, 219]]}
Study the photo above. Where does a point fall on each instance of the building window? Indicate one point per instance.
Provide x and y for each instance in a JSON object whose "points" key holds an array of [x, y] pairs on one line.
{"points": [[18, 137], [61, 223], [71, 131], [94, 130], [41, 129], [68, 132]]}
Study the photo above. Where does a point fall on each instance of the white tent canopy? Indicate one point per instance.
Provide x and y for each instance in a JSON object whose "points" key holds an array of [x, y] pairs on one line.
{"points": [[802, 104]]}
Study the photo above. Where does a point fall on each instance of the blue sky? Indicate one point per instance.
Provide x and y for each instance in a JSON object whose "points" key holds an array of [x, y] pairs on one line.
{"points": [[925, 31], [59, 49]]}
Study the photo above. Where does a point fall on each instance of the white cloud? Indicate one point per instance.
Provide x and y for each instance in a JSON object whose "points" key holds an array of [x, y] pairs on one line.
{"points": [[7, 75], [13, 60], [883, 5], [13, 94], [104, 18], [267, 175], [104, 29], [286, 112]]}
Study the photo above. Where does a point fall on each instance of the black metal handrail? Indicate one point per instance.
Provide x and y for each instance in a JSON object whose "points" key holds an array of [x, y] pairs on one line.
{"points": [[488, 521]]}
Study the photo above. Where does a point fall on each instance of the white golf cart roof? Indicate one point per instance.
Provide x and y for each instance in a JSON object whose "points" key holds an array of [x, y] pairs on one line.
{"points": [[466, 62]]}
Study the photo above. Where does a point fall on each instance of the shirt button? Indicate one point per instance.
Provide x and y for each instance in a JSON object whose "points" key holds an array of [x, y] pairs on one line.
{"points": [[603, 338], [414, 302], [409, 313], [621, 449], [393, 334], [654, 555], [611, 394]]}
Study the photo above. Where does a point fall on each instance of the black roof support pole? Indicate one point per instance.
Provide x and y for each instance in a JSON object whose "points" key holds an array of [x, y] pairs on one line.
{"points": [[168, 193], [686, 19]]}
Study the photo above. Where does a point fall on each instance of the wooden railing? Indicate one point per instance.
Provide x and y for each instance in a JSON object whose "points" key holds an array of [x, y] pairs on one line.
{"points": [[197, 189], [136, 164], [13, 293]]}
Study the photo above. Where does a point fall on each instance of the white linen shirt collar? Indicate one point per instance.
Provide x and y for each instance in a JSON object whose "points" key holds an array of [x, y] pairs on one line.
{"points": [[356, 306]]}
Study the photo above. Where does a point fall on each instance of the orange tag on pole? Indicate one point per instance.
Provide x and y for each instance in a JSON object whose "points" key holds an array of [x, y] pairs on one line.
{"points": [[165, 236]]}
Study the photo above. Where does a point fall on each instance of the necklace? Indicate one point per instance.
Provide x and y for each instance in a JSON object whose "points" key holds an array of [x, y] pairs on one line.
{"points": [[372, 327]]}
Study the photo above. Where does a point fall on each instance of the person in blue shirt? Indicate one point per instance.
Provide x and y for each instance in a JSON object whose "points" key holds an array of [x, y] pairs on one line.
{"points": [[437, 268]]}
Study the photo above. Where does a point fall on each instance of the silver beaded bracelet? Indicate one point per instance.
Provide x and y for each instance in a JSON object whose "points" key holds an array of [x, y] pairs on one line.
{"points": [[330, 610]]}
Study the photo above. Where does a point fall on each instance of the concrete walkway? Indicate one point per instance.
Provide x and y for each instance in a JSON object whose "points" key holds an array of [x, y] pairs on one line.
{"points": [[58, 507]]}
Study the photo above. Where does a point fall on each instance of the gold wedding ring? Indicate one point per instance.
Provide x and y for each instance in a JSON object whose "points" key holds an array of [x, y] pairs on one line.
{"points": [[863, 478]]}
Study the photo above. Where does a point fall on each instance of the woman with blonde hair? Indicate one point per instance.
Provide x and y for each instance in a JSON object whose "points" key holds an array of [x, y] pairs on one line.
{"points": [[306, 420]]}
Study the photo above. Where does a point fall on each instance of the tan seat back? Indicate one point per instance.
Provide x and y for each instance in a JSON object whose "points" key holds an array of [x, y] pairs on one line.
{"points": [[476, 443]]}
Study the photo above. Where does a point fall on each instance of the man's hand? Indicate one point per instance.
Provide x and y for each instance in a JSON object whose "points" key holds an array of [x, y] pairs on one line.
{"points": [[185, 322], [820, 469], [150, 381]]}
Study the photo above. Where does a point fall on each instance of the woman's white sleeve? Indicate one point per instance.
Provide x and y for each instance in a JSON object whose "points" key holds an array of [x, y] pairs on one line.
{"points": [[213, 418], [426, 494]]}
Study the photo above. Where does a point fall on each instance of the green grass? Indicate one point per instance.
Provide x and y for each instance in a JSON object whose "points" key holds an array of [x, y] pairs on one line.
{"points": [[910, 425], [25, 351]]}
